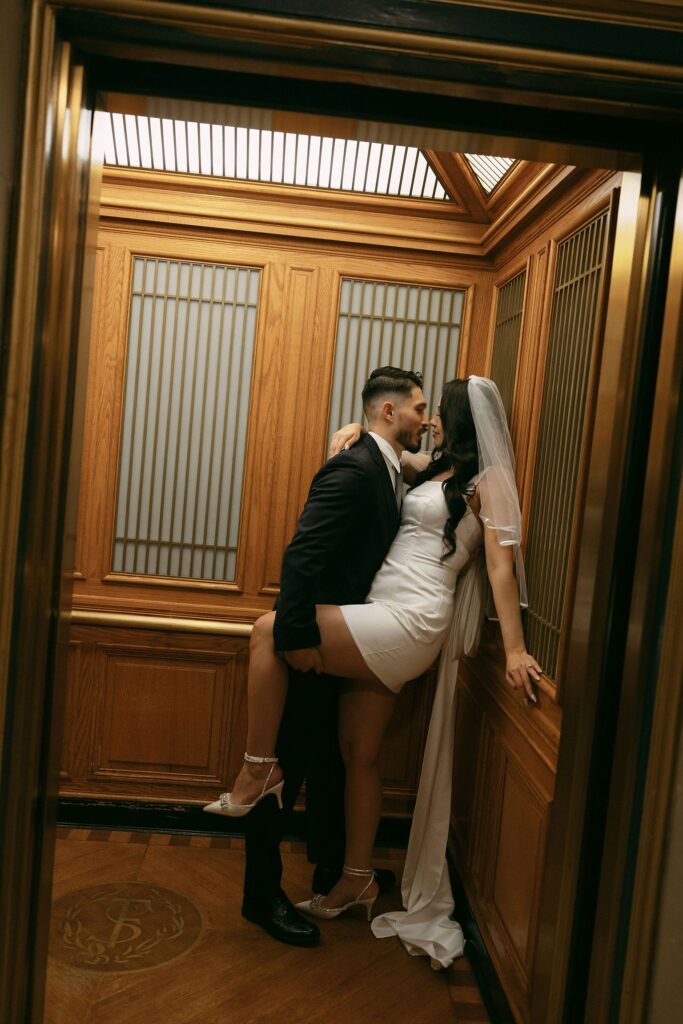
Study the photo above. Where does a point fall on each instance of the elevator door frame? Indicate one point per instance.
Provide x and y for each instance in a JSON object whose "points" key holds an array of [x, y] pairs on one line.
{"points": [[114, 59]]}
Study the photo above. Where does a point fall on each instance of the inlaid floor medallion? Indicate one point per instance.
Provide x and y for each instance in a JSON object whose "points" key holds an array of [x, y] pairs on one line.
{"points": [[122, 926]]}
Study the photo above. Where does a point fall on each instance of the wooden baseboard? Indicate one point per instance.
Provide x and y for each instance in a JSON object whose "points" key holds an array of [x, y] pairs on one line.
{"points": [[147, 816], [489, 984]]}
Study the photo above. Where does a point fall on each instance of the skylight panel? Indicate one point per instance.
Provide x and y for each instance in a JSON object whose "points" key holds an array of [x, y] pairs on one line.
{"points": [[257, 154], [490, 170]]}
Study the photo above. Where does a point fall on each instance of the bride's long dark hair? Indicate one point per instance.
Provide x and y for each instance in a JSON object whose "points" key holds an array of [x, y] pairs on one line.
{"points": [[457, 451]]}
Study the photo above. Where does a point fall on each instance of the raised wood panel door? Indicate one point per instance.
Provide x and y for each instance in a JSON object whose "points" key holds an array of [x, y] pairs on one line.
{"points": [[198, 457]]}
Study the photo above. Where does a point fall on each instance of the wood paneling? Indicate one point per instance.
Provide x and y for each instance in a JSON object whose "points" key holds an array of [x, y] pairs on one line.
{"points": [[296, 343], [503, 786], [515, 890], [505, 752], [469, 751], [155, 715], [162, 715], [404, 744]]}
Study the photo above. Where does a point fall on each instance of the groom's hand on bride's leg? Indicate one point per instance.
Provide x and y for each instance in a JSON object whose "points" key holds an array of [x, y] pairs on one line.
{"points": [[324, 879]]}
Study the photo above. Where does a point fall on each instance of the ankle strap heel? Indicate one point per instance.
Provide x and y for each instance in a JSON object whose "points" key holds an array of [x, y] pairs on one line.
{"points": [[224, 804], [317, 909]]}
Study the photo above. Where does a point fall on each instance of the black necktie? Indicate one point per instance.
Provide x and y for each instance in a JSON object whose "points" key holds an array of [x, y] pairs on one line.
{"points": [[398, 489]]}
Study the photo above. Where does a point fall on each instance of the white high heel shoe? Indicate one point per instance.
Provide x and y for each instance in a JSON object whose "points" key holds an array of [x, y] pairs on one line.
{"points": [[225, 806], [314, 906]]}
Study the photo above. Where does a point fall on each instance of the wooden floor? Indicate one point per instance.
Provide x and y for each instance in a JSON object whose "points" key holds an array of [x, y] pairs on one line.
{"points": [[207, 964]]}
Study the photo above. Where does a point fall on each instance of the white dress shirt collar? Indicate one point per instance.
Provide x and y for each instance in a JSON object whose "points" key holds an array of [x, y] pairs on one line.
{"points": [[390, 456]]}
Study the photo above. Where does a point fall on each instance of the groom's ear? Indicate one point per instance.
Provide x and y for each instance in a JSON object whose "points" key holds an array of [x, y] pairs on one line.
{"points": [[387, 410]]}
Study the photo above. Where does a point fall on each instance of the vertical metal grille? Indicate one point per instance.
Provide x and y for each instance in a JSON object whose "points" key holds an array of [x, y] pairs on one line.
{"points": [[490, 170], [382, 324], [186, 400], [506, 338], [578, 278]]}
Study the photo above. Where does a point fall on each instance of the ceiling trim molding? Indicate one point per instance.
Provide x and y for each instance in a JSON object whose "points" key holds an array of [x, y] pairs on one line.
{"points": [[666, 14]]}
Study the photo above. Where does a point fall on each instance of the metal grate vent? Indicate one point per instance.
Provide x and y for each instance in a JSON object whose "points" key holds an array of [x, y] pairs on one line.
{"points": [[186, 401], [386, 324], [506, 338], [489, 170], [578, 279], [258, 154]]}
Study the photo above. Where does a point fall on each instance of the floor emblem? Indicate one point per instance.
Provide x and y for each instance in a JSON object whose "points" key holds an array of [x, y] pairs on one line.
{"points": [[122, 926]]}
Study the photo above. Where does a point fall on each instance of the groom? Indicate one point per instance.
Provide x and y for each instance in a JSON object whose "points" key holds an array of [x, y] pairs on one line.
{"points": [[346, 528]]}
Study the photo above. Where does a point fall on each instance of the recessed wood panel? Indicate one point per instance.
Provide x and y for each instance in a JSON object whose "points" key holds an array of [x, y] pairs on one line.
{"points": [[404, 742], [517, 868], [466, 759], [163, 715]]}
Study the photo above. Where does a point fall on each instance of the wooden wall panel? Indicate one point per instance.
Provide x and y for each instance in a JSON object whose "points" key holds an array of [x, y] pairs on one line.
{"points": [[287, 430], [290, 472], [501, 807], [102, 409], [404, 744], [469, 743], [499, 826], [163, 715], [516, 874]]}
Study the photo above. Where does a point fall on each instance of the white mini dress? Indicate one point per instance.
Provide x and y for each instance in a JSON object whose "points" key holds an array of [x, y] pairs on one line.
{"points": [[402, 626]]}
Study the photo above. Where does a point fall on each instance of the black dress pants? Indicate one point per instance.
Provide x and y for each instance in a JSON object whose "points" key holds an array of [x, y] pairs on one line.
{"points": [[308, 749]]}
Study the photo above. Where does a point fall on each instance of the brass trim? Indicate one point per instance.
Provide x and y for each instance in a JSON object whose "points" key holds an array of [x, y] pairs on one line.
{"points": [[596, 559], [647, 654], [21, 312], [309, 34], [126, 620], [646, 13]]}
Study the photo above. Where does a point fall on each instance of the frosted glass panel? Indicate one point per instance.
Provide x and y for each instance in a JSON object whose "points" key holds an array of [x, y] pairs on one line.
{"points": [[381, 324], [186, 402]]}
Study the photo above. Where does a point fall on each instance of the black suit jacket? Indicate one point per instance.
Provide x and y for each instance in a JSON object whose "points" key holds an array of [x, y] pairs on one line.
{"points": [[344, 532]]}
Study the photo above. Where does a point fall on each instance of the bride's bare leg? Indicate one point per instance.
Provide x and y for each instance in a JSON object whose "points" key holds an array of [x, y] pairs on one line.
{"points": [[266, 694], [267, 691], [365, 710]]}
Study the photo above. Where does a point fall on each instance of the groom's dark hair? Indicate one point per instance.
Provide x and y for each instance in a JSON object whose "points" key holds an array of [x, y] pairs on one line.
{"points": [[389, 380]]}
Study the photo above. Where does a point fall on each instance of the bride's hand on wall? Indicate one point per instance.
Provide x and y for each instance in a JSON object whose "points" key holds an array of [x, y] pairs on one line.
{"points": [[522, 671], [345, 437]]}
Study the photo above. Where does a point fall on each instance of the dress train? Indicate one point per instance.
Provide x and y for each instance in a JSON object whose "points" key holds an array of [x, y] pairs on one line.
{"points": [[425, 926]]}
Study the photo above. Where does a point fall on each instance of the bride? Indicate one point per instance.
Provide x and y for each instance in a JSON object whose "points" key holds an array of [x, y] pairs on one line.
{"points": [[463, 504]]}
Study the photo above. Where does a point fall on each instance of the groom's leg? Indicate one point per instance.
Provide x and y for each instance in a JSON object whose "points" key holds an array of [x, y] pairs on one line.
{"points": [[325, 826], [265, 903]]}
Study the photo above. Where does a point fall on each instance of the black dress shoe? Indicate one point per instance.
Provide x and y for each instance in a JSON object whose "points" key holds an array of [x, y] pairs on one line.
{"points": [[324, 879], [280, 918]]}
